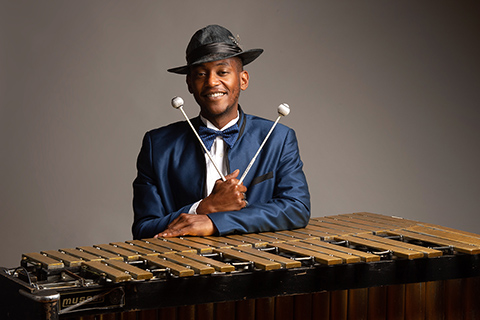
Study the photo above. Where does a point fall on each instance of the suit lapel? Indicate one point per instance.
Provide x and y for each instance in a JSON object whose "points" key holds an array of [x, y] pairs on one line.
{"points": [[191, 165], [244, 150]]}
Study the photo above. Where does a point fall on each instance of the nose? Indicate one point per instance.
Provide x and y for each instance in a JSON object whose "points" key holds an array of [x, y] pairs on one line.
{"points": [[212, 79]]}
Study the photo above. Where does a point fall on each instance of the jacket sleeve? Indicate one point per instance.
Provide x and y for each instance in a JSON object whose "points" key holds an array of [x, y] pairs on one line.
{"points": [[151, 208], [289, 203]]}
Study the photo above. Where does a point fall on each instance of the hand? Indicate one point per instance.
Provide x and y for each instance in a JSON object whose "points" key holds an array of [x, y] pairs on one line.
{"points": [[226, 196], [189, 224]]}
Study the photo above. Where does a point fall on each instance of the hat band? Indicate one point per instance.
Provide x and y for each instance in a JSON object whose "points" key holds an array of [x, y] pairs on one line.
{"points": [[212, 48]]}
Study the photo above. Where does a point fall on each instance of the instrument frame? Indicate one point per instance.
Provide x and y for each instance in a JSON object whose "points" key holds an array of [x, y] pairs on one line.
{"points": [[199, 289]]}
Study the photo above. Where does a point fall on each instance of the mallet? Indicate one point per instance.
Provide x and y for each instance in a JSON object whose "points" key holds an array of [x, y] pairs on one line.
{"points": [[283, 110], [177, 103]]}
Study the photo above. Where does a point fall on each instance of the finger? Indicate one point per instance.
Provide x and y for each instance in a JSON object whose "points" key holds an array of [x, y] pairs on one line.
{"points": [[242, 188], [175, 225], [173, 233], [239, 188], [193, 226], [232, 175], [235, 182]]}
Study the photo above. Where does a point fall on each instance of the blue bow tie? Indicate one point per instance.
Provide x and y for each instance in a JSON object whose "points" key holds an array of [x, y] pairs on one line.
{"points": [[208, 135]]}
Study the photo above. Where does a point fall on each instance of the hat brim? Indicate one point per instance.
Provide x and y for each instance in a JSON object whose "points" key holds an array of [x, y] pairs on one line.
{"points": [[246, 56]]}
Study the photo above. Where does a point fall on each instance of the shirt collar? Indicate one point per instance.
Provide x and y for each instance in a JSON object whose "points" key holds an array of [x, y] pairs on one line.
{"points": [[210, 125]]}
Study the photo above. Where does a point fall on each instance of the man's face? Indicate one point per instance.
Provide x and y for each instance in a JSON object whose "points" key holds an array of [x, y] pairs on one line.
{"points": [[216, 87]]}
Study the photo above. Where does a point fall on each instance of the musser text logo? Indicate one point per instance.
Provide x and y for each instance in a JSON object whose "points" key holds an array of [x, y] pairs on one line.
{"points": [[70, 299]]}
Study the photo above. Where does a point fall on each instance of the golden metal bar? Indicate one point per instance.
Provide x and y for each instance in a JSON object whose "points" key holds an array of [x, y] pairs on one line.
{"points": [[174, 268], [114, 274], [318, 256], [218, 265], [134, 272], [171, 246], [196, 266], [101, 253], [82, 254], [458, 246], [245, 239], [211, 242], [285, 262], [229, 241], [429, 253], [201, 248], [347, 258], [126, 254], [138, 250], [398, 251], [67, 259], [45, 261], [364, 256], [259, 262]]}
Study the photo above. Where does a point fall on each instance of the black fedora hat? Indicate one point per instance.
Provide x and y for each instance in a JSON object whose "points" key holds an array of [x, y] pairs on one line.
{"points": [[214, 43]]}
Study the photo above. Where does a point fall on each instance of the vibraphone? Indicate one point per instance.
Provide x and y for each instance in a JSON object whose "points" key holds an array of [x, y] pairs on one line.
{"points": [[349, 266]]}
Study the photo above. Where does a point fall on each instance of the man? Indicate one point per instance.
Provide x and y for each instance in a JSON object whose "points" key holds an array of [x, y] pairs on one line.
{"points": [[178, 191]]}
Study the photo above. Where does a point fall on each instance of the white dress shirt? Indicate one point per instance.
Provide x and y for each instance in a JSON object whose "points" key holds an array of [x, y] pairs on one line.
{"points": [[219, 152]]}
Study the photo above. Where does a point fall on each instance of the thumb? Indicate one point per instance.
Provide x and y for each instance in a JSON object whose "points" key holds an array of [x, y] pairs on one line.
{"points": [[232, 175]]}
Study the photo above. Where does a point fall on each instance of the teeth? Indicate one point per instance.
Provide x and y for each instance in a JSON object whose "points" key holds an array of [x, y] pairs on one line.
{"points": [[216, 94]]}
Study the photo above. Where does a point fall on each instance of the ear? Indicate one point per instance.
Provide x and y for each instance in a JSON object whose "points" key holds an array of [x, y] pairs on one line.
{"points": [[244, 78], [188, 80]]}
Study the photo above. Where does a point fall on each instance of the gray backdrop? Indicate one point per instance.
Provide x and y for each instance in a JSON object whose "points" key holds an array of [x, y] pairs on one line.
{"points": [[384, 98]]}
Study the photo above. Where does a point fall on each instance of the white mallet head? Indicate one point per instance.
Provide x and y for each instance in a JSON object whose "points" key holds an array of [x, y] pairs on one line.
{"points": [[283, 109], [177, 102]]}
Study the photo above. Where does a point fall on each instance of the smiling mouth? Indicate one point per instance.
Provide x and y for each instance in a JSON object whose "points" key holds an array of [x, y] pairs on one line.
{"points": [[215, 94]]}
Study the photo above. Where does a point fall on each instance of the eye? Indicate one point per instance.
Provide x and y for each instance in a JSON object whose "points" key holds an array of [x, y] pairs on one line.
{"points": [[200, 74]]}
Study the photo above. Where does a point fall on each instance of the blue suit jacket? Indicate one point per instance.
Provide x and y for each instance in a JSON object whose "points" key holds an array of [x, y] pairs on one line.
{"points": [[171, 177]]}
